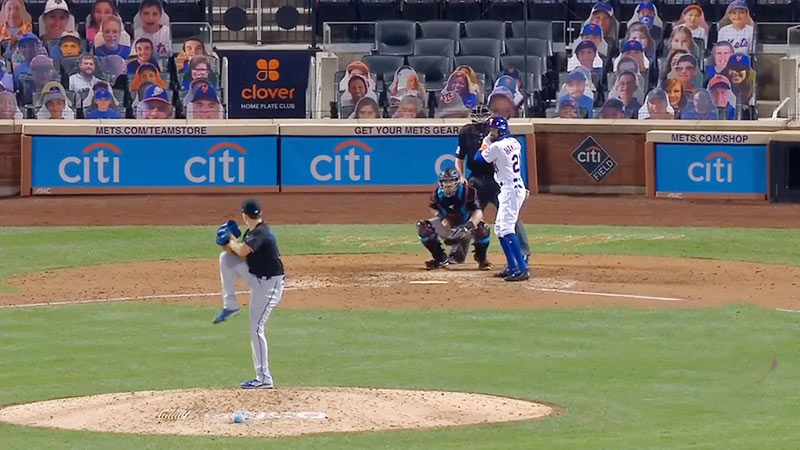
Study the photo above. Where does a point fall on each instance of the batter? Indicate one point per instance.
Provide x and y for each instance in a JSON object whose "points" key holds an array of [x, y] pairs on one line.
{"points": [[504, 152]]}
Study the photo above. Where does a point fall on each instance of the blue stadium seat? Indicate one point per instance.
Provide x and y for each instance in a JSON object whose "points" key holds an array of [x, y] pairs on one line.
{"points": [[492, 29], [535, 29], [395, 37], [481, 47], [440, 29]]}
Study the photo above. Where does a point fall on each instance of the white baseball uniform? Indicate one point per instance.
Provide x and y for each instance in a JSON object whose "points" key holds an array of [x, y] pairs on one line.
{"points": [[506, 157], [741, 40]]}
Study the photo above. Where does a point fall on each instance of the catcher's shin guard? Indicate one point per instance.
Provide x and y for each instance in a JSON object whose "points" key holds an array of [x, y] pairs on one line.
{"points": [[481, 237], [427, 234]]}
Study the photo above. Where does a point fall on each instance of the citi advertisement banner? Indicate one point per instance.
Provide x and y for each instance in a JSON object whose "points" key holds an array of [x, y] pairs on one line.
{"points": [[267, 84], [369, 161], [131, 162], [711, 169]]}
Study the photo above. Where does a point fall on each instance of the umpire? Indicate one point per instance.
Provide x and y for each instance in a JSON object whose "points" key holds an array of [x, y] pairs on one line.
{"points": [[481, 175]]}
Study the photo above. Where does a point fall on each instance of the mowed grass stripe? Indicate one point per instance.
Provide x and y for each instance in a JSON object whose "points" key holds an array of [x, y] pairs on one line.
{"points": [[628, 378], [34, 249]]}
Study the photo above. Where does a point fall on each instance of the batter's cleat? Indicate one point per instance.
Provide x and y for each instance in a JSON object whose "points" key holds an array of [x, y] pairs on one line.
{"points": [[506, 272], [255, 384], [434, 264], [484, 265], [226, 314], [522, 275]]}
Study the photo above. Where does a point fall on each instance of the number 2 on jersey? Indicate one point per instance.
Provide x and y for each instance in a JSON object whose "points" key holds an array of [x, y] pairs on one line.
{"points": [[515, 161]]}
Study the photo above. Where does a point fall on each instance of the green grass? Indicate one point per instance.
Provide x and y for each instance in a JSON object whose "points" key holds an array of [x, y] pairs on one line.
{"points": [[627, 378], [34, 249]]}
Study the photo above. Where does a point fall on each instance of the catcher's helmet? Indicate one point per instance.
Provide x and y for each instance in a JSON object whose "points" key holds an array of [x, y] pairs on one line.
{"points": [[501, 125], [448, 181]]}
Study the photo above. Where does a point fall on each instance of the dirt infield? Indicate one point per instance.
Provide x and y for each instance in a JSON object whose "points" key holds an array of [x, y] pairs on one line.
{"points": [[272, 413], [398, 281], [385, 208]]}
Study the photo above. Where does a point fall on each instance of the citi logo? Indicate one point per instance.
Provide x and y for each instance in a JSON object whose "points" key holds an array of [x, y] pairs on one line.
{"points": [[327, 168], [105, 169], [268, 70], [592, 154], [718, 167], [207, 169]]}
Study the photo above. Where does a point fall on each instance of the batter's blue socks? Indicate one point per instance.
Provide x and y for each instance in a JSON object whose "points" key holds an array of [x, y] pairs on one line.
{"points": [[516, 250], [511, 261]]}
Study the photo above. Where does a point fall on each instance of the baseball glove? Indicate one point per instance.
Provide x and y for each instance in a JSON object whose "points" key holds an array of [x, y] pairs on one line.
{"points": [[225, 231], [459, 234]]}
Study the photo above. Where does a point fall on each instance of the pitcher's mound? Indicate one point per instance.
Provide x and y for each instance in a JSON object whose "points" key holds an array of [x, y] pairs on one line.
{"points": [[280, 412]]}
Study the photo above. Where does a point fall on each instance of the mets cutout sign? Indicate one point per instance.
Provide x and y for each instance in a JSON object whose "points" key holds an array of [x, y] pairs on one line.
{"points": [[594, 159]]}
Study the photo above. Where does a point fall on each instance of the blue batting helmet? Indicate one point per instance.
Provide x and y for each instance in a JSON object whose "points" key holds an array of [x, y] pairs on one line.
{"points": [[501, 125]]}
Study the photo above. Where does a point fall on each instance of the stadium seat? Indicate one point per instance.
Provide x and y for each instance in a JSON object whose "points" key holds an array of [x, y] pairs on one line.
{"points": [[462, 10], [491, 29], [541, 30], [435, 47], [481, 47], [535, 63], [380, 64], [504, 9], [395, 37], [435, 68], [537, 47], [372, 10], [420, 10], [486, 65], [440, 29]]}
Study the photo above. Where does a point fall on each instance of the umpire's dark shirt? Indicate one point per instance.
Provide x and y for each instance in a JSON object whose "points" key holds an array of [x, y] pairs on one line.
{"points": [[265, 261], [470, 139]]}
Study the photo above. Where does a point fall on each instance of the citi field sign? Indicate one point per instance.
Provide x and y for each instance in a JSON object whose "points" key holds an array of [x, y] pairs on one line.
{"points": [[376, 161], [127, 162], [712, 169]]}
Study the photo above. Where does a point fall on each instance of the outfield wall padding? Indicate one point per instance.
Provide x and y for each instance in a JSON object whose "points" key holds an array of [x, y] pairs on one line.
{"points": [[299, 155]]}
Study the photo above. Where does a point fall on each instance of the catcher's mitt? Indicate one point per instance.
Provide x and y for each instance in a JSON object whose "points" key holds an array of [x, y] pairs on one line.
{"points": [[459, 234]]}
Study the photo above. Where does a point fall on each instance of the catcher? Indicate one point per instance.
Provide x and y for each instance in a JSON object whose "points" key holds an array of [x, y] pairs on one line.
{"points": [[458, 219]]}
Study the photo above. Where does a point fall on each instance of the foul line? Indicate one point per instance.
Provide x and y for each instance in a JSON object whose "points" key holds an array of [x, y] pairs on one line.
{"points": [[606, 294], [124, 299], [788, 310]]}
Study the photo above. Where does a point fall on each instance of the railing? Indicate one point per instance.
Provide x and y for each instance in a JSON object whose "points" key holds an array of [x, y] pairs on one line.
{"points": [[262, 21]]}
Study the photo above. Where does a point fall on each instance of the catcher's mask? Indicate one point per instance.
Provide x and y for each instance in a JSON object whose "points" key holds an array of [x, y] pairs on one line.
{"points": [[448, 181], [480, 114]]}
